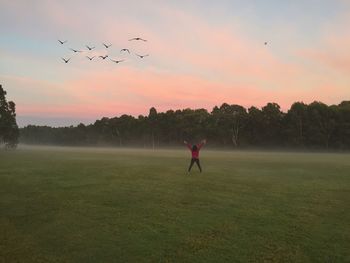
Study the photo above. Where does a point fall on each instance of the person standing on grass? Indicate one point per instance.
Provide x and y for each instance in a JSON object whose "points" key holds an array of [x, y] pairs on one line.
{"points": [[195, 153]]}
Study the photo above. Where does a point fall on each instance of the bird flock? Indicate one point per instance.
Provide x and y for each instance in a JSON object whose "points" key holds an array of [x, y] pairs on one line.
{"points": [[106, 47]]}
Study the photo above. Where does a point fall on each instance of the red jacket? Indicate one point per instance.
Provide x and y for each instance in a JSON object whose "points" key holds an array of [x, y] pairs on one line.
{"points": [[195, 154]]}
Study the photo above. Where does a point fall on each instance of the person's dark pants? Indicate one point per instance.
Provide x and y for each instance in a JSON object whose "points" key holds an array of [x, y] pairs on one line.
{"points": [[194, 160]]}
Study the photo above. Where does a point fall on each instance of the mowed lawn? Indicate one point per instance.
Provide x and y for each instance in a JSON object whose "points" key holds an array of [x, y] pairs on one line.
{"points": [[110, 205]]}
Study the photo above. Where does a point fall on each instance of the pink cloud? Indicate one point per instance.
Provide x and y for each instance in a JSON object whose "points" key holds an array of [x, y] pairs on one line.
{"points": [[335, 57], [193, 64], [122, 92]]}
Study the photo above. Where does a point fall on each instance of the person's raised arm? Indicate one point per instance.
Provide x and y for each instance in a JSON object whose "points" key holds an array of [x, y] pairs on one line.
{"points": [[188, 145], [203, 142]]}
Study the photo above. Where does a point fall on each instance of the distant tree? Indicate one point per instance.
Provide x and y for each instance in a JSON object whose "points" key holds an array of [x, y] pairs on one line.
{"points": [[118, 134], [322, 123], [128, 129], [296, 119], [232, 119], [103, 131], [152, 117], [239, 118], [201, 123], [81, 134], [343, 127], [191, 124], [255, 126], [9, 131], [272, 124], [219, 127]]}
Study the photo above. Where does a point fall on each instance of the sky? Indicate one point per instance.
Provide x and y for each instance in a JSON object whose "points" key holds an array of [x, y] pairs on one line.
{"points": [[201, 54]]}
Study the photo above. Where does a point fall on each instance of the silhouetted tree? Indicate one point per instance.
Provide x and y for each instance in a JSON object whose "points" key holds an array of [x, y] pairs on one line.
{"points": [[231, 119], [322, 124], [296, 119], [9, 131], [343, 125], [152, 117], [255, 127], [272, 124]]}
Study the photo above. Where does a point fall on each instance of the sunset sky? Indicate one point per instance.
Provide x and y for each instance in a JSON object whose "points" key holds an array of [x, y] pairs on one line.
{"points": [[202, 53]]}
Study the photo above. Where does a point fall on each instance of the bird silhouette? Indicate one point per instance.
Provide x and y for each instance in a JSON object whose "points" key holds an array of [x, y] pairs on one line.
{"points": [[265, 43], [138, 38], [106, 46], [90, 58], [75, 51], [90, 48], [142, 56], [104, 57], [62, 42], [66, 60], [117, 61], [125, 50]]}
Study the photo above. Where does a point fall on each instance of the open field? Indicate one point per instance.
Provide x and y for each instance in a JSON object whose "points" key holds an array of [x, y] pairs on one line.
{"points": [[104, 205]]}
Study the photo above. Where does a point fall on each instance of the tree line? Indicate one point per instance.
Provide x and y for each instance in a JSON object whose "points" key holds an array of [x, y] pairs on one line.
{"points": [[305, 126]]}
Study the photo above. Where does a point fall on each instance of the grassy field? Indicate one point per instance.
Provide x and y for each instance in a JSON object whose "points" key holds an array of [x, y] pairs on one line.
{"points": [[104, 205]]}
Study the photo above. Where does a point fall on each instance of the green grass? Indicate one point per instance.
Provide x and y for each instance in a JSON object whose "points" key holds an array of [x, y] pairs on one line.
{"points": [[104, 205]]}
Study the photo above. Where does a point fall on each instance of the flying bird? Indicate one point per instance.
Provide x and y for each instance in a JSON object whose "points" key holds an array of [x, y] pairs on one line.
{"points": [[125, 50], [66, 60], [75, 51], [62, 42], [104, 57], [90, 58], [90, 48], [106, 46], [138, 38], [142, 56], [117, 61]]}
